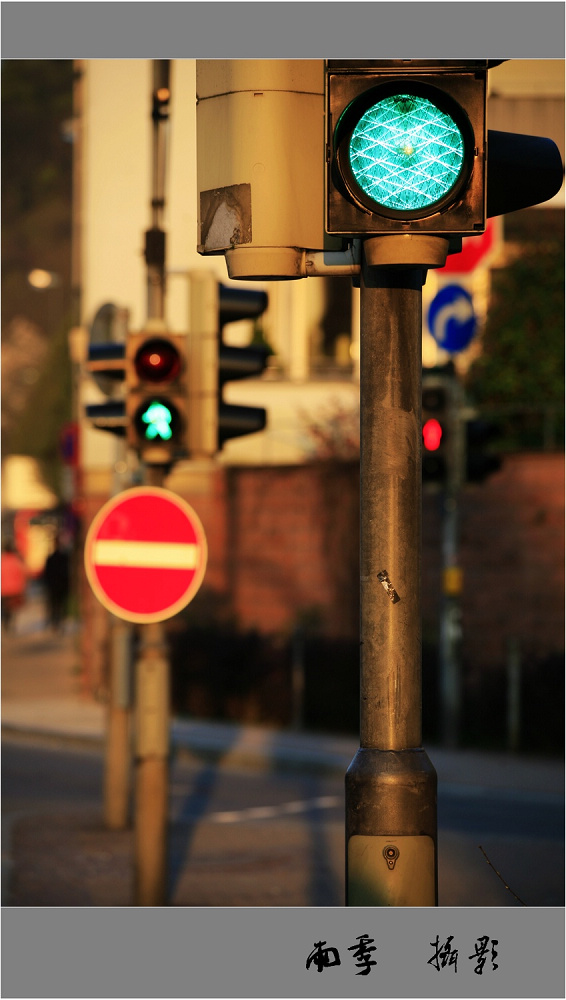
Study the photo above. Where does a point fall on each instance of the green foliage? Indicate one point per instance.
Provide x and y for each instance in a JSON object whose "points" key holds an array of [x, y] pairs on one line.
{"points": [[37, 102], [333, 434], [522, 360], [49, 408]]}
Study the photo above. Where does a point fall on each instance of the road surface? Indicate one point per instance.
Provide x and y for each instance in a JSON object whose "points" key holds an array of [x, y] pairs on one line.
{"points": [[251, 838]]}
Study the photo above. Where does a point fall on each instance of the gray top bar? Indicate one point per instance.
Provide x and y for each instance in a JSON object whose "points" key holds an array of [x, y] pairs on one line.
{"points": [[283, 30]]}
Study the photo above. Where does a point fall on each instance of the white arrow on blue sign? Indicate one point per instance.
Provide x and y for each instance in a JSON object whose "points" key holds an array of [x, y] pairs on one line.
{"points": [[451, 318]]}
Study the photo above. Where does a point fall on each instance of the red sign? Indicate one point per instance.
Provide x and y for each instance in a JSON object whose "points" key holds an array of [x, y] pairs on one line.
{"points": [[474, 249], [145, 554]]}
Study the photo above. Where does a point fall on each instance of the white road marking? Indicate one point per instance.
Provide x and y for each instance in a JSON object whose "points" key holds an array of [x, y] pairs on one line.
{"points": [[273, 812], [264, 812]]}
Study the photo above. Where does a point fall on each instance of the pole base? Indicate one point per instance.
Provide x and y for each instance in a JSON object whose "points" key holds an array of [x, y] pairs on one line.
{"points": [[391, 829]]}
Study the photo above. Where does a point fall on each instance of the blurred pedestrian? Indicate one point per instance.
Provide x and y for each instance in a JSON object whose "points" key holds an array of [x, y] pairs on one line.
{"points": [[56, 578], [13, 584]]}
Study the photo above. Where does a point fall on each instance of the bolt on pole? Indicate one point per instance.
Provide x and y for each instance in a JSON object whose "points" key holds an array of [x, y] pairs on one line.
{"points": [[390, 784]]}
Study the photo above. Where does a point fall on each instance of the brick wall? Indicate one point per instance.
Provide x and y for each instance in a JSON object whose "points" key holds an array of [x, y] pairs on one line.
{"points": [[295, 537], [283, 550], [512, 543], [295, 551]]}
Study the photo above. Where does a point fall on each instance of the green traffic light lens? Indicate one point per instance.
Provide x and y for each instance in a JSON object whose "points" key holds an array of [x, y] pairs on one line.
{"points": [[406, 153]]}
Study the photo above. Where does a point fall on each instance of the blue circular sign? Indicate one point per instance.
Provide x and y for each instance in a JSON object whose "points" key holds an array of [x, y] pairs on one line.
{"points": [[451, 318]]}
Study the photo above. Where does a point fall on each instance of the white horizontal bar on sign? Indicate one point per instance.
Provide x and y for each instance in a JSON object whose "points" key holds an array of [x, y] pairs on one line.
{"points": [[151, 555]]}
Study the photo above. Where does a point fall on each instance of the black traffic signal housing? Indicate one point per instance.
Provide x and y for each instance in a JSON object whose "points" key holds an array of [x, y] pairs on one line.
{"points": [[480, 460], [406, 145], [439, 434], [239, 362], [408, 151], [107, 364], [156, 399]]}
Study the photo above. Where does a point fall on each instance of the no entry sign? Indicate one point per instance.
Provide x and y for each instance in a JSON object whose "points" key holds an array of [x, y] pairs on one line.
{"points": [[145, 554], [475, 250]]}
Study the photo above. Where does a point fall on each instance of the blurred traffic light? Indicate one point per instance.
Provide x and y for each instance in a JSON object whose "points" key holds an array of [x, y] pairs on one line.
{"points": [[106, 363], [239, 362], [156, 401], [481, 462], [213, 363], [436, 430]]}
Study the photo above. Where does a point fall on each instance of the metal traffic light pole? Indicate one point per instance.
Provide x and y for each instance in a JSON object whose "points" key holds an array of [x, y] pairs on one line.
{"points": [[391, 826], [450, 610], [152, 665], [405, 159]]}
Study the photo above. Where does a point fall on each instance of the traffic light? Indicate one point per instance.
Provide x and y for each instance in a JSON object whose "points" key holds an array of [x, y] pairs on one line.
{"points": [[156, 401], [107, 365], [239, 362], [406, 143], [213, 363], [481, 462], [438, 428], [408, 151]]}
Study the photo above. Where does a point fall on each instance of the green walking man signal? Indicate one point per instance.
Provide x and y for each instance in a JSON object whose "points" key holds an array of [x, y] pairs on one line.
{"points": [[158, 420]]}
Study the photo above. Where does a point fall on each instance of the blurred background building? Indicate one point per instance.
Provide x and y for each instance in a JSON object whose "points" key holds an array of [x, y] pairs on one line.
{"points": [[280, 508]]}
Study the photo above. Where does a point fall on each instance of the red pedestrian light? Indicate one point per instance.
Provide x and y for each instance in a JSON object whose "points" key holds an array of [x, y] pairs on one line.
{"points": [[157, 361], [432, 434]]}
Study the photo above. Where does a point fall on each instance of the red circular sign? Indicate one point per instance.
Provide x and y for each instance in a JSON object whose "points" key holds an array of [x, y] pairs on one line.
{"points": [[145, 554]]}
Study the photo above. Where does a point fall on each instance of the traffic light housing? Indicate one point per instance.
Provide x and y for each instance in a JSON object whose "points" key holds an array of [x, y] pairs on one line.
{"points": [[439, 437], [406, 145], [156, 400], [213, 363], [106, 363], [480, 460], [408, 151], [239, 362]]}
